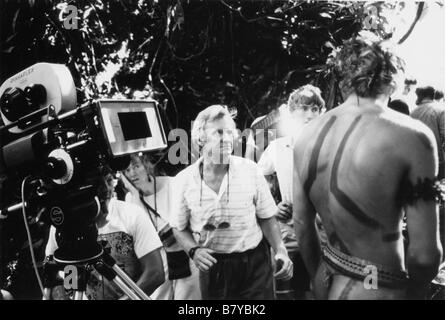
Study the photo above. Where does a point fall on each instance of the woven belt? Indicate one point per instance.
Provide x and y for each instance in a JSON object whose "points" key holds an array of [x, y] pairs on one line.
{"points": [[359, 268]]}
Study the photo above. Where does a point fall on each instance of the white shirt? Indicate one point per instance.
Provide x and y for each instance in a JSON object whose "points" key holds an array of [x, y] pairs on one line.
{"points": [[162, 203], [163, 207], [279, 157], [243, 197]]}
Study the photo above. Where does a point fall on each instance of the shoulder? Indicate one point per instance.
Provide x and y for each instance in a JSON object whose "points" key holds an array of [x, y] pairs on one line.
{"points": [[126, 211], [407, 131], [271, 147], [439, 108], [185, 173], [239, 162], [310, 130], [163, 181], [130, 198], [281, 142]]}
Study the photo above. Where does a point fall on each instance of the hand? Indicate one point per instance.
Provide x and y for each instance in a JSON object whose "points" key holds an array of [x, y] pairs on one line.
{"points": [[285, 267], [203, 259], [284, 211]]}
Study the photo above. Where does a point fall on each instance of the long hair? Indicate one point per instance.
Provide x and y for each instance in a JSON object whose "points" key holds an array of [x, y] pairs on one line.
{"points": [[366, 65]]}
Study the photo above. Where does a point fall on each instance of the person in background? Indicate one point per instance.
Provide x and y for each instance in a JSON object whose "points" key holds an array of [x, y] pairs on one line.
{"points": [[131, 239], [304, 104], [432, 115], [153, 193], [399, 105], [438, 96], [224, 216]]}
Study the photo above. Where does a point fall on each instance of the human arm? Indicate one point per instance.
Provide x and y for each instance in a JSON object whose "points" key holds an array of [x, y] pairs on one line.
{"points": [[424, 249], [265, 211], [147, 247], [266, 163], [153, 274], [272, 233], [267, 167], [51, 245], [202, 257], [304, 223], [442, 131]]}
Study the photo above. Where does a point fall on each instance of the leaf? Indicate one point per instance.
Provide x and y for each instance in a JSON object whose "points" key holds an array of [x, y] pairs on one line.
{"points": [[87, 12], [329, 44], [325, 15]]}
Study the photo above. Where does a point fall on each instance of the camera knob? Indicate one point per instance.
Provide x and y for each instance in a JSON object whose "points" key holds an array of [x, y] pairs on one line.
{"points": [[36, 93], [59, 166], [55, 168]]}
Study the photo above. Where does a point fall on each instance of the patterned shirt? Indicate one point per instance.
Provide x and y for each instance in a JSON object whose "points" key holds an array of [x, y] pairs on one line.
{"points": [[244, 196]]}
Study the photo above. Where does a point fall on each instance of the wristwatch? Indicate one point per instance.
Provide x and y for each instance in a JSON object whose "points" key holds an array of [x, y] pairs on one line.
{"points": [[192, 251]]}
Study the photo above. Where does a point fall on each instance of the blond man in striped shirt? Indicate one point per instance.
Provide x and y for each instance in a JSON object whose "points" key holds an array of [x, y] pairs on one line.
{"points": [[223, 216]]}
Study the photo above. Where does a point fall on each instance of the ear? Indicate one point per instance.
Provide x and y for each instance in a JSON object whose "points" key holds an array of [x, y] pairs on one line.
{"points": [[202, 138], [393, 88]]}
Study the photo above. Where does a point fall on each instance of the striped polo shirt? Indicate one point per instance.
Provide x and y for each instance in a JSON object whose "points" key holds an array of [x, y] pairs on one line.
{"points": [[243, 197]]}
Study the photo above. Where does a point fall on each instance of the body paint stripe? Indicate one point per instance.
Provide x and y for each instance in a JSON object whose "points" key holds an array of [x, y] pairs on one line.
{"points": [[312, 171], [342, 197]]}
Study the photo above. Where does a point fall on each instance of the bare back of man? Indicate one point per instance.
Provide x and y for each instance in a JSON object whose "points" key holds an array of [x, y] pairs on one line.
{"points": [[350, 168]]}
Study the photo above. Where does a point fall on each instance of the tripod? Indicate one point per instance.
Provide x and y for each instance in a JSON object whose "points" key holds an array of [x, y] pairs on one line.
{"points": [[103, 263]]}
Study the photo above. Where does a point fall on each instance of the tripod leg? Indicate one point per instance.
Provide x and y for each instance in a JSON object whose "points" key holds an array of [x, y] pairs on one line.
{"points": [[78, 295], [123, 286], [120, 273], [46, 294], [119, 277]]}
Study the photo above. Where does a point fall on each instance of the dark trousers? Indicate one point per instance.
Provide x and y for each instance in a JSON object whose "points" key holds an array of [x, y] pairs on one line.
{"points": [[240, 276]]}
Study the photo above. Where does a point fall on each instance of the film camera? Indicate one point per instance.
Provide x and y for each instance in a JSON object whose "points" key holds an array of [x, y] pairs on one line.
{"points": [[52, 150]]}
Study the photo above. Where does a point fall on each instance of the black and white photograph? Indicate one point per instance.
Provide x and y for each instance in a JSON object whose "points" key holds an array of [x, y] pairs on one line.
{"points": [[244, 151]]}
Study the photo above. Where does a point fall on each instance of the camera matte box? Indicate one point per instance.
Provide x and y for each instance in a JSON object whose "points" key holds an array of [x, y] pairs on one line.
{"points": [[131, 126]]}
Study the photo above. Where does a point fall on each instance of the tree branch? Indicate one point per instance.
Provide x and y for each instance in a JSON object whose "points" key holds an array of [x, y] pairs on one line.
{"points": [[416, 19]]}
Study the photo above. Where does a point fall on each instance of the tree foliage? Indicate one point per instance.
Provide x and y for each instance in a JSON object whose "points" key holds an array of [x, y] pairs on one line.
{"points": [[186, 54]]}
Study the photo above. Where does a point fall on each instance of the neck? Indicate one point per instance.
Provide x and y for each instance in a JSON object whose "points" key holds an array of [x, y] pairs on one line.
{"points": [[379, 102], [147, 188], [209, 165]]}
